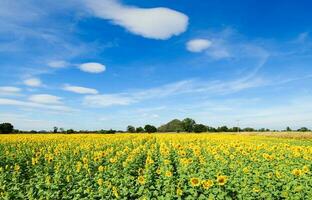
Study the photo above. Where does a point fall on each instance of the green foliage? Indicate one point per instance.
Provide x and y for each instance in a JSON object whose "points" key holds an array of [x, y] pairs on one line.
{"points": [[70, 131], [139, 130], [303, 129], [200, 128], [150, 129], [6, 128], [223, 129], [188, 124], [131, 129]]}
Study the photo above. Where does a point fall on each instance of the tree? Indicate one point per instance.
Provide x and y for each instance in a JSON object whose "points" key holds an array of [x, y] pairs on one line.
{"points": [[70, 131], [150, 129], [139, 130], [6, 128], [130, 129], [223, 129], [236, 129], [111, 131], [288, 129], [199, 128], [55, 129], [248, 129], [211, 129], [172, 126], [188, 124], [303, 129]]}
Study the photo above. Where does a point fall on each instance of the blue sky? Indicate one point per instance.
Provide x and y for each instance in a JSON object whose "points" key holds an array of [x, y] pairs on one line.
{"points": [[100, 64]]}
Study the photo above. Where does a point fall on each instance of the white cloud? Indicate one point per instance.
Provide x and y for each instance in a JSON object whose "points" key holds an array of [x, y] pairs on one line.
{"points": [[107, 100], [28, 104], [45, 99], [8, 90], [58, 64], [33, 82], [198, 45], [92, 67], [155, 23], [80, 90]]}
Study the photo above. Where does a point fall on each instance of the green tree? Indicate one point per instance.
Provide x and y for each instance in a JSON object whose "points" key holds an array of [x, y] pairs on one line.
{"points": [[188, 124], [199, 128], [139, 130], [70, 131], [150, 129], [223, 129], [236, 129], [288, 129], [130, 129], [248, 129], [55, 129], [303, 129], [6, 128]]}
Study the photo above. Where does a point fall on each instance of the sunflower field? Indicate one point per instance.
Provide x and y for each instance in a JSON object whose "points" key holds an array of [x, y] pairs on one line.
{"points": [[154, 166]]}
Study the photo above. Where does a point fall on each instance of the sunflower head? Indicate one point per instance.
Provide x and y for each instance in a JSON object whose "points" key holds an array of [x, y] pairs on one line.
{"points": [[100, 181], [168, 174], [305, 169], [101, 168], [141, 180], [222, 180], [207, 184], [194, 182], [296, 172], [179, 192]]}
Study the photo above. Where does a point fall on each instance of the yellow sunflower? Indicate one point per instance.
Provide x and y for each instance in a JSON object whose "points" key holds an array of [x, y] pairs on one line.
{"points": [[194, 182], [141, 180], [222, 180]]}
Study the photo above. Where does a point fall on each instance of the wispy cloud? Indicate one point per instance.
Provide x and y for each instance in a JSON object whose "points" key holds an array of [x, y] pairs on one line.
{"points": [[9, 90], [80, 90], [29, 104], [173, 89], [45, 99]]}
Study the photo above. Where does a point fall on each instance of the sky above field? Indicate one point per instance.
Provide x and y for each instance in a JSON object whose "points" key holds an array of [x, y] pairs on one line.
{"points": [[100, 64]]}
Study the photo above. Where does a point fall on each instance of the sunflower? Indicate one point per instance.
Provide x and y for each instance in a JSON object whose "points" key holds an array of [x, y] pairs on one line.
{"points": [[17, 168], [115, 192], [256, 189], [101, 168], [222, 180], [207, 184], [305, 169], [100, 181], [296, 172], [179, 192], [141, 180], [68, 178], [168, 174], [195, 182]]}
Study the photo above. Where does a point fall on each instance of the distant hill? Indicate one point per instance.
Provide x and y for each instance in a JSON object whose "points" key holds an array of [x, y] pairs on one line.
{"points": [[172, 126]]}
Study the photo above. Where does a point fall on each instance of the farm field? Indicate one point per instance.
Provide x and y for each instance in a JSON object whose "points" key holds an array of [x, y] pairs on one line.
{"points": [[155, 166]]}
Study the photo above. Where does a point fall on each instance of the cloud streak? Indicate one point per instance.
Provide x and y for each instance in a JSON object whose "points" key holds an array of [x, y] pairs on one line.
{"points": [[29, 104], [80, 90]]}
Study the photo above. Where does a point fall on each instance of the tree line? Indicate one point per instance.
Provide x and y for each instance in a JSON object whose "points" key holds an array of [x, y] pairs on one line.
{"points": [[187, 125]]}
